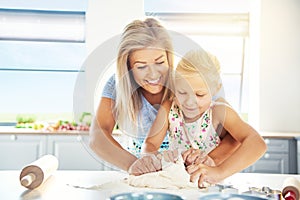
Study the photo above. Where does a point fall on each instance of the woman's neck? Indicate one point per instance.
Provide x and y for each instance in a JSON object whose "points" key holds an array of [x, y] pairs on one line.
{"points": [[153, 99]]}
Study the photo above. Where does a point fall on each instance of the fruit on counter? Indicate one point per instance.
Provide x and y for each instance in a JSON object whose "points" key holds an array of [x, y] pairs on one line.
{"points": [[62, 125], [35, 125], [29, 122], [65, 125]]}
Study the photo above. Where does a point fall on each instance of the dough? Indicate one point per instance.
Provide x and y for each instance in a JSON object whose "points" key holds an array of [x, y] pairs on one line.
{"points": [[172, 176]]}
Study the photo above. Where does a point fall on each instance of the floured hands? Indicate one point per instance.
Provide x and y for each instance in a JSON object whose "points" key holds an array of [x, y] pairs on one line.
{"points": [[203, 173], [152, 163], [170, 155], [196, 156], [147, 163]]}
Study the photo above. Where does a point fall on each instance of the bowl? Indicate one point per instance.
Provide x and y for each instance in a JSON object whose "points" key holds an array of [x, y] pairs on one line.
{"points": [[145, 196], [224, 196]]}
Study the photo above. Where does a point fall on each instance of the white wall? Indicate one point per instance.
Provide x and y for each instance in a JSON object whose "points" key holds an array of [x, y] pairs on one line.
{"points": [[278, 55], [106, 19], [105, 22], [279, 99]]}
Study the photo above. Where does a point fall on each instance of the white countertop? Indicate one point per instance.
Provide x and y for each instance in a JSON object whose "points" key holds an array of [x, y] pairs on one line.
{"points": [[100, 185], [12, 130]]}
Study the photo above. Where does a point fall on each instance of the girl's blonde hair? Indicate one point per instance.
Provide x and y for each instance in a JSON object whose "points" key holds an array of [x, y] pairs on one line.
{"points": [[138, 35], [199, 62]]}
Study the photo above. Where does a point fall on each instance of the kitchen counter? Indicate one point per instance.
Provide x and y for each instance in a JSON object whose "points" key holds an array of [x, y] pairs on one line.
{"points": [[100, 185], [12, 130], [283, 135]]}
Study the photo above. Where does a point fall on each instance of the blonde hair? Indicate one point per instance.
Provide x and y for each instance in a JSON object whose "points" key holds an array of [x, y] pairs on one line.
{"points": [[139, 34], [200, 62]]}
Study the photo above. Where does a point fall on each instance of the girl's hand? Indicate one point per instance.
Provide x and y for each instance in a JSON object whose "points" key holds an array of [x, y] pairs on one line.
{"points": [[204, 173], [170, 155], [145, 164], [196, 156]]}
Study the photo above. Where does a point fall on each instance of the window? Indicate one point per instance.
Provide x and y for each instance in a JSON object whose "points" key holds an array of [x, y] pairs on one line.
{"points": [[226, 36], [42, 48]]}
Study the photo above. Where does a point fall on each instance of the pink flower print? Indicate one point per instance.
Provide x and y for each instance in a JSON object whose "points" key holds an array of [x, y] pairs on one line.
{"points": [[180, 123], [204, 126], [173, 119]]}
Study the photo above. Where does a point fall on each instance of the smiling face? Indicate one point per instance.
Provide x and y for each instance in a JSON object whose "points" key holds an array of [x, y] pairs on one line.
{"points": [[150, 69], [193, 96]]}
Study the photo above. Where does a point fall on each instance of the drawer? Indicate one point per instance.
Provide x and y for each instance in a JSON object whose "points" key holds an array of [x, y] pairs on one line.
{"points": [[277, 145], [271, 163]]}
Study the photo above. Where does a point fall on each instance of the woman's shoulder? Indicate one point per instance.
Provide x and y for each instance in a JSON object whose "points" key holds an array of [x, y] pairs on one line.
{"points": [[109, 89]]}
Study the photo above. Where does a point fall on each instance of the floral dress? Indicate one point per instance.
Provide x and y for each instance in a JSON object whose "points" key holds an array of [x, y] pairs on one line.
{"points": [[198, 135]]}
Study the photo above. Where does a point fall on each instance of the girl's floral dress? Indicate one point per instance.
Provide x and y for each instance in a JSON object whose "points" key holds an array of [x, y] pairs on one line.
{"points": [[198, 135]]}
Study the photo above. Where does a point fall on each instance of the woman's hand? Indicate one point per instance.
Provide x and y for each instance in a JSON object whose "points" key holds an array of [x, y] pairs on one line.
{"points": [[147, 163], [204, 173], [196, 156]]}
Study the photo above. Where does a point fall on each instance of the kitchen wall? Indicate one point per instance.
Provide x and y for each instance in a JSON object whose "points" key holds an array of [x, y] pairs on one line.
{"points": [[275, 55], [105, 22], [279, 94]]}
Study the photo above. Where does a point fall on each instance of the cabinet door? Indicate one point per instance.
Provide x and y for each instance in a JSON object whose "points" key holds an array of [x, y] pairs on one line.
{"points": [[73, 153], [274, 163], [16, 151], [298, 154]]}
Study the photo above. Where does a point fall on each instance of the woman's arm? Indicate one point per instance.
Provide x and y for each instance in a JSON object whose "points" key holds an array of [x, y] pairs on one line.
{"points": [[252, 144], [226, 148], [228, 144], [102, 141], [158, 130]]}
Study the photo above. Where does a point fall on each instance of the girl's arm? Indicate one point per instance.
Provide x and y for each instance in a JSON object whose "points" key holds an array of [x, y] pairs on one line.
{"points": [[158, 130], [102, 141], [252, 147]]}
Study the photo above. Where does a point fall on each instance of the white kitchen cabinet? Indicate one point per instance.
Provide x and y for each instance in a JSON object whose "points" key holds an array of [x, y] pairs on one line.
{"points": [[16, 151], [73, 153], [298, 154], [280, 157]]}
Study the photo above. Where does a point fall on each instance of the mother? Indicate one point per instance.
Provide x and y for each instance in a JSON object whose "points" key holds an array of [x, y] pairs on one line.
{"points": [[132, 97]]}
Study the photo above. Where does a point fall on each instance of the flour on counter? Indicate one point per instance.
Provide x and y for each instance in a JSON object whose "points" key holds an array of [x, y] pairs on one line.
{"points": [[172, 176]]}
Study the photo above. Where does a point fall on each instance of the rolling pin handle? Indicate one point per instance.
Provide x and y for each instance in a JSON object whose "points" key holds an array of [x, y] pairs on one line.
{"points": [[28, 179]]}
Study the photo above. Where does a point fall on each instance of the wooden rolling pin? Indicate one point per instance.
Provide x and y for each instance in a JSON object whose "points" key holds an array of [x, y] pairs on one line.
{"points": [[36, 173]]}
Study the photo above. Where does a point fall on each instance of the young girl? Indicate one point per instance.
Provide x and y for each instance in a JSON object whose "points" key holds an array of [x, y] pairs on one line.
{"points": [[193, 118]]}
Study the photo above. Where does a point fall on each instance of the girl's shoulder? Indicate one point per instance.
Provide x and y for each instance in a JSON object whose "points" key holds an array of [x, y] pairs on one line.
{"points": [[220, 103], [222, 109]]}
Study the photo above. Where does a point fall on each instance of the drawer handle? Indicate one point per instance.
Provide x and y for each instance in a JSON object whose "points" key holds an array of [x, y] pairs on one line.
{"points": [[267, 156], [267, 141], [13, 137]]}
